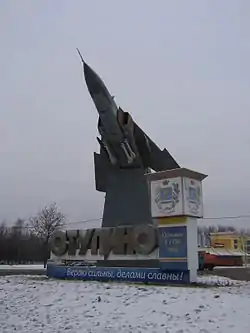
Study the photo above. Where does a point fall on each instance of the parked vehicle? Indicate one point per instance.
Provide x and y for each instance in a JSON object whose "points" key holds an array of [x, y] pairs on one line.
{"points": [[209, 261]]}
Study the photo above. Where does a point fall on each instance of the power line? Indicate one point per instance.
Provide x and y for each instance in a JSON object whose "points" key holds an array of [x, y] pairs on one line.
{"points": [[232, 217], [237, 217], [65, 225], [85, 221]]}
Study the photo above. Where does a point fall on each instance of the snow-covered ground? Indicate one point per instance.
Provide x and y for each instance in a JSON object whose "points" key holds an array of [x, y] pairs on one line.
{"points": [[23, 267], [223, 267], [37, 304]]}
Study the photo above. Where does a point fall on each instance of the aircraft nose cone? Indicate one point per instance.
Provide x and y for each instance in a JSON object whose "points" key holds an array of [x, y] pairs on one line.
{"points": [[92, 80]]}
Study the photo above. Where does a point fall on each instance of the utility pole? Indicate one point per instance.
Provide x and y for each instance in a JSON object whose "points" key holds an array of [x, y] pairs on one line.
{"points": [[244, 248]]}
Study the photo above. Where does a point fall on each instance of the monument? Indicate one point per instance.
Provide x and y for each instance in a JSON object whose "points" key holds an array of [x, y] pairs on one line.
{"points": [[176, 203], [126, 154], [149, 226]]}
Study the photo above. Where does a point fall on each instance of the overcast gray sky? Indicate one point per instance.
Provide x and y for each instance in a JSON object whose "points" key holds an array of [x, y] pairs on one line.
{"points": [[180, 67]]}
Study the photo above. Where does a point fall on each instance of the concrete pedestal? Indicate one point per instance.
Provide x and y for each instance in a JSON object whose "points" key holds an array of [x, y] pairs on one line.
{"points": [[176, 203]]}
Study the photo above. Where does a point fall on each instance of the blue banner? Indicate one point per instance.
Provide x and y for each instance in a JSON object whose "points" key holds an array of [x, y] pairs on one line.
{"points": [[173, 247], [173, 242], [144, 275]]}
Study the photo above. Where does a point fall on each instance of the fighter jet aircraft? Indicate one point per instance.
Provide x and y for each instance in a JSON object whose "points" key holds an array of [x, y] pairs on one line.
{"points": [[122, 141]]}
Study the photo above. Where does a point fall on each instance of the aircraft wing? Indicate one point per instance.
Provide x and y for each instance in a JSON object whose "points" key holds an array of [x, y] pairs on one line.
{"points": [[152, 156]]}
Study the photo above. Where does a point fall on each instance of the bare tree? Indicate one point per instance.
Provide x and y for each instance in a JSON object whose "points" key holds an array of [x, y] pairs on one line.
{"points": [[49, 219], [3, 230], [19, 228]]}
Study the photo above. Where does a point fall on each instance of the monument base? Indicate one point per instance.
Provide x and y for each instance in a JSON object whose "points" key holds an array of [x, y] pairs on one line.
{"points": [[125, 274], [178, 244], [126, 196]]}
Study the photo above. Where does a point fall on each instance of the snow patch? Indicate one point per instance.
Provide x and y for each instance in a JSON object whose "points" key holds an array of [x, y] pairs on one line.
{"points": [[21, 267], [218, 281], [38, 304]]}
